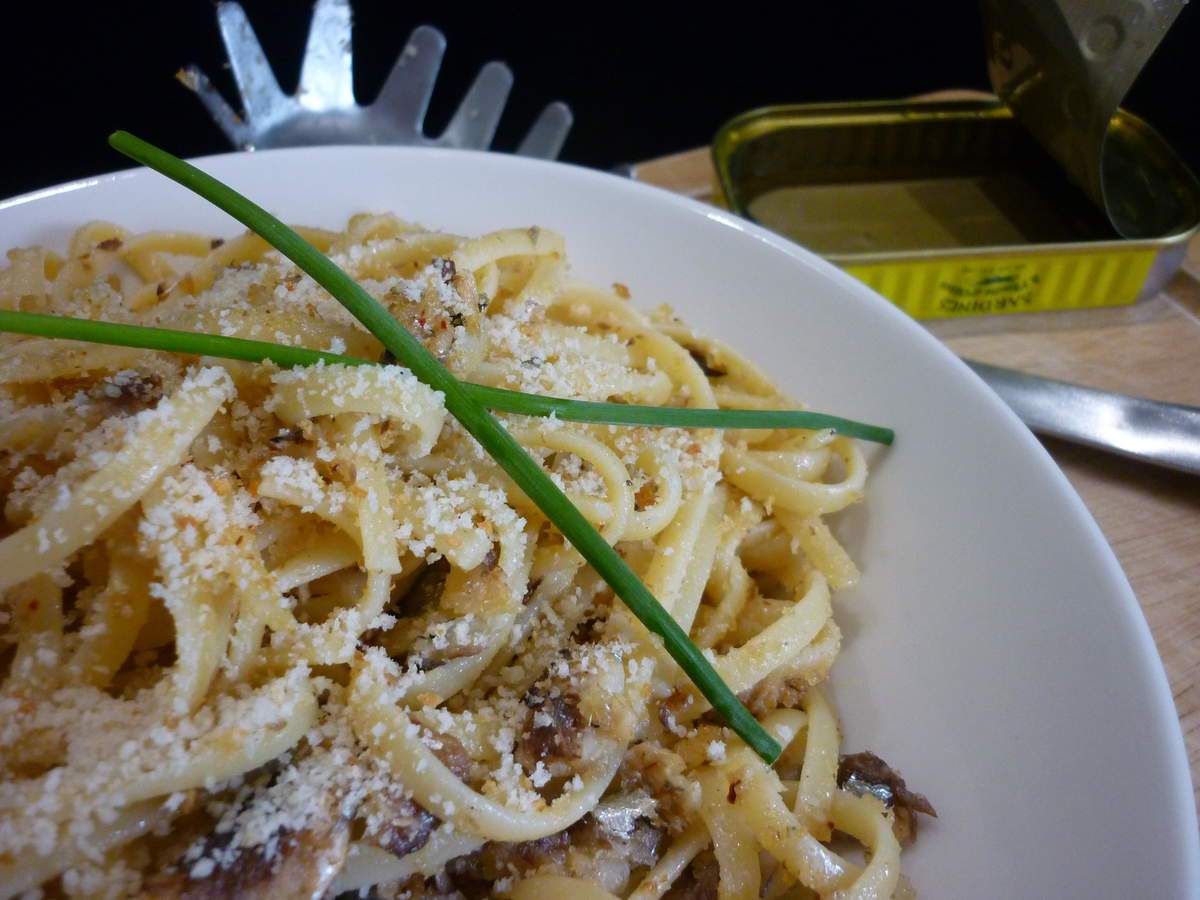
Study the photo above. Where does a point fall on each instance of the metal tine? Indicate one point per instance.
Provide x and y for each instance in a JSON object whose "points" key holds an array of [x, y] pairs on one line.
{"points": [[546, 138], [227, 120], [326, 77], [409, 86], [475, 120], [256, 82]]}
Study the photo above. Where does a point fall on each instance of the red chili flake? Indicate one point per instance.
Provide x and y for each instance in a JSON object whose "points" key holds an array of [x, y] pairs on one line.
{"points": [[732, 795], [215, 243], [443, 325], [110, 244]]}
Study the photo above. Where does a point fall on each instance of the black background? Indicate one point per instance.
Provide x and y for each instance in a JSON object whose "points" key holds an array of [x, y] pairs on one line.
{"points": [[641, 82]]}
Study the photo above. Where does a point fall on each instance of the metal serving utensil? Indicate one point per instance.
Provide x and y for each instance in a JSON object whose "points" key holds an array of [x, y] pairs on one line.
{"points": [[1165, 434], [324, 110]]}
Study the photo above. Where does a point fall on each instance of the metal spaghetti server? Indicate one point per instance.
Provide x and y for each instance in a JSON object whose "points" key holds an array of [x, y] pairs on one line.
{"points": [[324, 110]]}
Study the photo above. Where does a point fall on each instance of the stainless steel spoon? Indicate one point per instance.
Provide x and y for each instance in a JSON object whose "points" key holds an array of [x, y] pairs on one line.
{"points": [[1165, 434]]}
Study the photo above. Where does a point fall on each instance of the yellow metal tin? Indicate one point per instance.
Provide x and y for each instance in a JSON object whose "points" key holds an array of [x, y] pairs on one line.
{"points": [[950, 208], [1029, 282]]}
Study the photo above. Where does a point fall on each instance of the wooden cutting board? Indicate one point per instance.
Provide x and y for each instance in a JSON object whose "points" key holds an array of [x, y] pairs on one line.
{"points": [[1150, 516]]}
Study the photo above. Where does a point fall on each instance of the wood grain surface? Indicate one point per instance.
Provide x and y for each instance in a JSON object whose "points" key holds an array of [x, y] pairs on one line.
{"points": [[1150, 516]]}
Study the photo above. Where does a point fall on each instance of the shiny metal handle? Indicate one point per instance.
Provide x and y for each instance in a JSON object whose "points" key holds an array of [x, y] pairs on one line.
{"points": [[1166, 434]]}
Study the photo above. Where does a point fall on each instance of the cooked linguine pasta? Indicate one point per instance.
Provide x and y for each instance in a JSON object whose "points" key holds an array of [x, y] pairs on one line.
{"points": [[274, 633]]}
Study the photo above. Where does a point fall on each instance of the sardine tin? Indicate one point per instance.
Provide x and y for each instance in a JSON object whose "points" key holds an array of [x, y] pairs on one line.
{"points": [[950, 208]]}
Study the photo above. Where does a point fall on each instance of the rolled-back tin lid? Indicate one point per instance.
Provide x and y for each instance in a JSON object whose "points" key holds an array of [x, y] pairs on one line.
{"points": [[1063, 67]]}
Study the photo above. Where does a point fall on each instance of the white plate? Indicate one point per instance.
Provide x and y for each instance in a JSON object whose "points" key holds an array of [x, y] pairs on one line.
{"points": [[994, 650]]}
